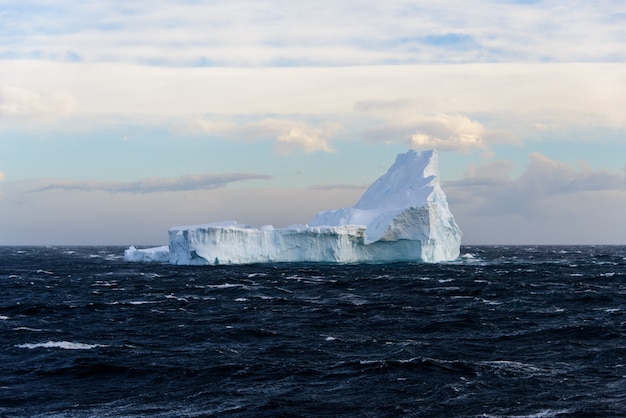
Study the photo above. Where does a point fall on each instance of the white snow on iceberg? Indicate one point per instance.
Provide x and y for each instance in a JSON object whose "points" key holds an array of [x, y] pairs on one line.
{"points": [[403, 216]]}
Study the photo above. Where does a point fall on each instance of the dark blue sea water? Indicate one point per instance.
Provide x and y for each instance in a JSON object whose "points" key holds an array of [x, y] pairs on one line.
{"points": [[504, 332]]}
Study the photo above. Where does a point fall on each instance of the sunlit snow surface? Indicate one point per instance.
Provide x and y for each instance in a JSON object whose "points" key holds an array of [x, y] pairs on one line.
{"points": [[403, 216]]}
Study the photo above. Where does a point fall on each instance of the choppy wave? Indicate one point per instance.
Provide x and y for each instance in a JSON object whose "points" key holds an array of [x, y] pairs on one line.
{"points": [[501, 332]]}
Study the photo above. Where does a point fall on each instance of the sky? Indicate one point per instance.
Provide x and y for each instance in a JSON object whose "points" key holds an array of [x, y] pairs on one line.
{"points": [[121, 119]]}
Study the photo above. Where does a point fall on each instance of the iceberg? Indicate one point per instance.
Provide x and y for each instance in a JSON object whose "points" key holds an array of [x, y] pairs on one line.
{"points": [[402, 216]]}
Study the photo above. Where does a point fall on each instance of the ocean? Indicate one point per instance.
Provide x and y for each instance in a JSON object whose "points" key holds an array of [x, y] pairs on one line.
{"points": [[505, 331]]}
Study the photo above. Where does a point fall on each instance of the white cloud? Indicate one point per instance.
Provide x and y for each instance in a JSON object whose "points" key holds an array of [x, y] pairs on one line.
{"points": [[19, 103], [325, 32], [504, 97], [442, 131], [448, 133], [212, 127], [299, 139], [298, 136], [289, 135]]}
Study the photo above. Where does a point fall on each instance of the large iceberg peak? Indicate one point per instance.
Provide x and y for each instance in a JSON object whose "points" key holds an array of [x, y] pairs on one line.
{"points": [[406, 203], [402, 216], [411, 180]]}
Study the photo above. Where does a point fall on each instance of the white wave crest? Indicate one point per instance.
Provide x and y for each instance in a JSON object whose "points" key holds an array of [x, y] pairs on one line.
{"points": [[66, 345]]}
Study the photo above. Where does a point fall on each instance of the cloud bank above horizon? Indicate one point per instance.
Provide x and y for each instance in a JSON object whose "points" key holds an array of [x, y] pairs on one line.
{"points": [[134, 102]]}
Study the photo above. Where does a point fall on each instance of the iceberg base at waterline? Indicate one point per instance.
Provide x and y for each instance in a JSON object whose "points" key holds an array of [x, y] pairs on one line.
{"points": [[403, 216]]}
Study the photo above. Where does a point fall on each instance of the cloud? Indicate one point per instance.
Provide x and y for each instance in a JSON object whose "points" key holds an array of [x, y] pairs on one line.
{"points": [[405, 105], [578, 218], [143, 219], [551, 202], [367, 32], [19, 103], [156, 184], [489, 173], [489, 190], [2, 176], [546, 177], [297, 136], [289, 135], [214, 127], [503, 97], [442, 131], [448, 133]]}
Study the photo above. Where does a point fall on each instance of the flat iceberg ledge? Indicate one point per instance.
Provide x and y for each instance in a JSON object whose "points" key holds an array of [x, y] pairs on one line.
{"points": [[403, 216], [147, 255]]}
